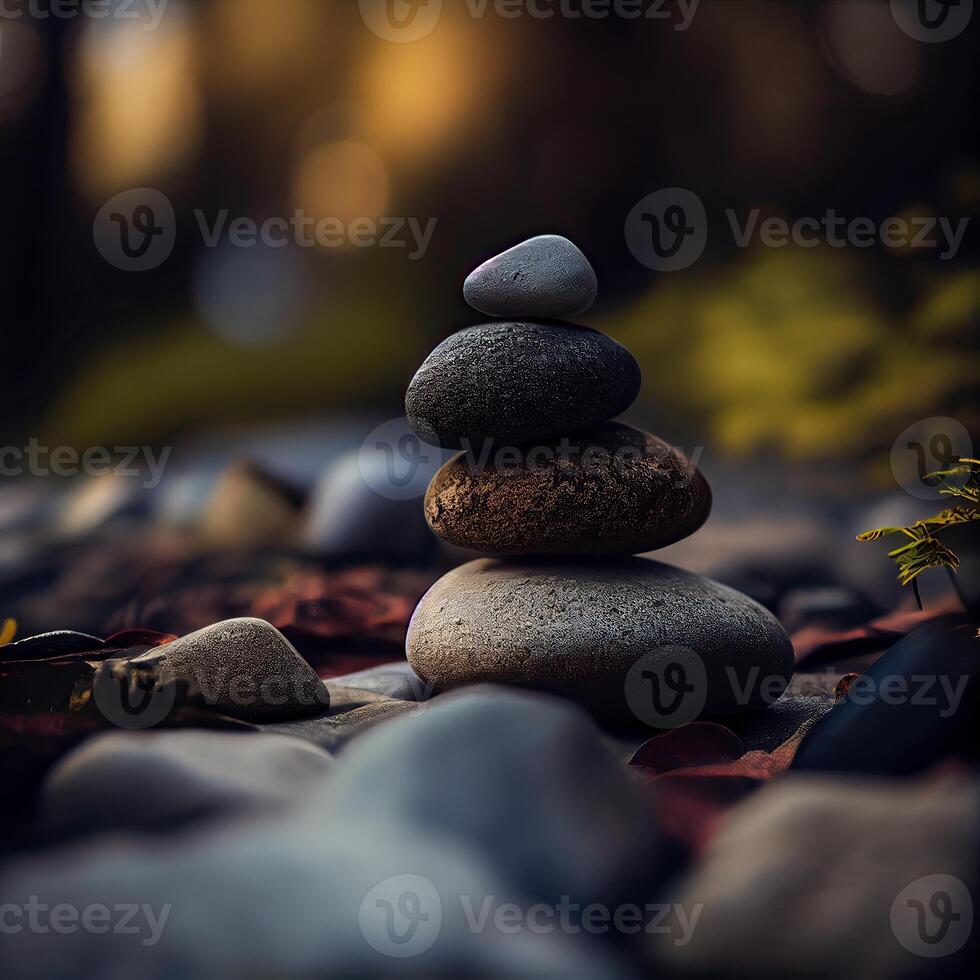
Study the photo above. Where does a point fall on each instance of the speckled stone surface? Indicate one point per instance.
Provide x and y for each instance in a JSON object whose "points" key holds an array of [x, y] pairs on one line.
{"points": [[519, 381], [546, 276], [612, 490], [577, 628], [243, 667]]}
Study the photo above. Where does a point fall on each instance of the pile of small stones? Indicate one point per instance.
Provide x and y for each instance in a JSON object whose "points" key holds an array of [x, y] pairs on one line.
{"points": [[548, 480]]}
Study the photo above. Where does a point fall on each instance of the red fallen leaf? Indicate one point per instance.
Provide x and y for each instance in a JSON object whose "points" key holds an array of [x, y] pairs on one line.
{"points": [[697, 744], [843, 685], [698, 770], [815, 644], [124, 639], [690, 809]]}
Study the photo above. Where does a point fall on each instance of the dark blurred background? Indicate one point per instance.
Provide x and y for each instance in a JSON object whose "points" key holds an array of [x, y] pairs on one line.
{"points": [[792, 360], [499, 129]]}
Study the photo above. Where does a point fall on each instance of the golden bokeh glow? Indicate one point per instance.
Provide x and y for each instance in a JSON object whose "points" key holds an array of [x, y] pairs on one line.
{"points": [[139, 111]]}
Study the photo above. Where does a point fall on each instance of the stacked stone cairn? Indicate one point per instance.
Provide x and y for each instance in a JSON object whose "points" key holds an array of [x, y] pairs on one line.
{"points": [[563, 497]]}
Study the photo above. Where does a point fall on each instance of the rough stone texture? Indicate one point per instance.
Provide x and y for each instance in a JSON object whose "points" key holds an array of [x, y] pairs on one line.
{"points": [[162, 781], [522, 778], [613, 490], [242, 667], [576, 629], [519, 381], [806, 879], [547, 276]]}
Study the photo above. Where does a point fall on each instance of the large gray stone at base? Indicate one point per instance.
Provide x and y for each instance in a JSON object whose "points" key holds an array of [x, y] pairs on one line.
{"points": [[523, 779], [598, 633], [164, 781], [546, 276]]}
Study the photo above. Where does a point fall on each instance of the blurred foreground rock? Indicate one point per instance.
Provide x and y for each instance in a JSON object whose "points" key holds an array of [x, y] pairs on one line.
{"points": [[819, 876]]}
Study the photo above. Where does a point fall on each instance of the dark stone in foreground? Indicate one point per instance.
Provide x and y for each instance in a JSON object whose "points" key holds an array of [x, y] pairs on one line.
{"points": [[547, 276], [635, 641], [612, 490], [916, 705], [160, 782], [517, 382]]}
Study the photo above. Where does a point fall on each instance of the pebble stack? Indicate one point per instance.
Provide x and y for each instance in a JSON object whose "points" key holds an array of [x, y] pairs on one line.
{"points": [[563, 496]]}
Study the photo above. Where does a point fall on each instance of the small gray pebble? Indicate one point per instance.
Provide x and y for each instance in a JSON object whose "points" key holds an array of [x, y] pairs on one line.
{"points": [[547, 276]]}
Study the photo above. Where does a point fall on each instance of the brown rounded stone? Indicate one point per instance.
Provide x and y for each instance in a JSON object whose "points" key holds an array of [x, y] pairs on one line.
{"points": [[612, 490]]}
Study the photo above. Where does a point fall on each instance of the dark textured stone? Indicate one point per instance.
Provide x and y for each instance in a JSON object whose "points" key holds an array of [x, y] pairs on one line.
{"points": [[242, 667], [521, 381], [162, 781], [579, 628], [613, 490], [915, 706], [547, 276], [522, 779]]}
